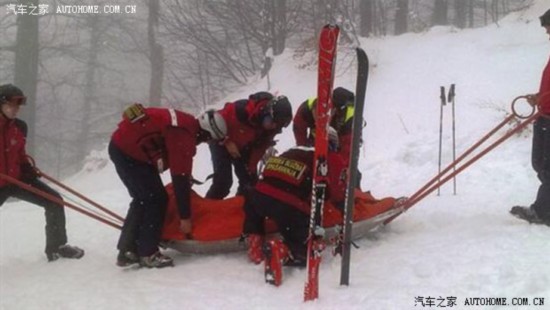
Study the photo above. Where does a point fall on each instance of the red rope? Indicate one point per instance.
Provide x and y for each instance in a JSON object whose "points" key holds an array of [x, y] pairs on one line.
{"points": [[79, 195], [58, 201], [437, 182], [473, 159]]}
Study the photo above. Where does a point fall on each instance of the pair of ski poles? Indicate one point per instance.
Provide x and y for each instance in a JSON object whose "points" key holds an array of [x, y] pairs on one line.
{"points": [[444, 99]]}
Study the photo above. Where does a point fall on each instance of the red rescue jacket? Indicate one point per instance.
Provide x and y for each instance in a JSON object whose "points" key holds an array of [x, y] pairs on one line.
{"points": [[12, 145], [288, 178], [244, 128], [166, 139], [544, 90]]}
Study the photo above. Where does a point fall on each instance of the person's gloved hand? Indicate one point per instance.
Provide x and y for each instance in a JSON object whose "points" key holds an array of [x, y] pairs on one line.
{"points": [[29, 172], [533, 99], [232, 149], [185, 226]]}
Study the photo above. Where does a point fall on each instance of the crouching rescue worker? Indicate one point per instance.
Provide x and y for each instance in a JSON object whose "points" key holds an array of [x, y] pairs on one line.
{"points": [[252, 125], [147, 142], [283, 195], [15, 163]]}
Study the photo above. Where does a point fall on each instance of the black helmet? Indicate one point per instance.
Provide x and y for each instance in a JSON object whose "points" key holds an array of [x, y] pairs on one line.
{"points": [[280, 110], [341, 98], [9, 92], [545, 19]]}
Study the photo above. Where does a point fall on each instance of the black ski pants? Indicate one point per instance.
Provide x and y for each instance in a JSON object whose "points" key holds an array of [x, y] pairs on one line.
{"points": [[541, 164], [142, 227], [292, 223], [222, 180], [56, 234]]}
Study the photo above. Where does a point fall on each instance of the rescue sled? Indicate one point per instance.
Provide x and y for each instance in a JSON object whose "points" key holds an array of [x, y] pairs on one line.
{"points": [[217, 224]]}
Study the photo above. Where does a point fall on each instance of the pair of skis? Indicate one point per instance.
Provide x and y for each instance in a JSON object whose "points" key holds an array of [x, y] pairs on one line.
{"points": [[327, 61]]}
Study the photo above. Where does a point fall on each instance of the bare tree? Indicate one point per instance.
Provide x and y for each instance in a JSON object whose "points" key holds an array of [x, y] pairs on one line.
{"points": [[156, 54], [224, 42], [366, 13], [26, 66], [440, 16], [460, 13], [401, 13]]}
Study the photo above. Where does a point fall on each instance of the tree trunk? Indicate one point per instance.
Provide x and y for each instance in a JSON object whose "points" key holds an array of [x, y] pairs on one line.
{"points": [[366, 9], [278, 26], [471, 13], [90, 88], [439, 16], [26, 67], [460, 13], [401, 16], [156, 55]]}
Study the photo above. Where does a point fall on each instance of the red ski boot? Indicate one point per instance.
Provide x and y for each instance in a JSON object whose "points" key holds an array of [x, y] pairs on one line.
{"points": [[255, 253], [276, 254]]}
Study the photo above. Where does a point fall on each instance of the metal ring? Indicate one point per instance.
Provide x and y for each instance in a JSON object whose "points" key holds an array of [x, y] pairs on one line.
{"points": [[514, 111]]}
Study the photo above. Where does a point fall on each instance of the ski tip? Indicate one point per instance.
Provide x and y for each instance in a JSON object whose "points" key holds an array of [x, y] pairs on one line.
{"points": [[361, 53]]}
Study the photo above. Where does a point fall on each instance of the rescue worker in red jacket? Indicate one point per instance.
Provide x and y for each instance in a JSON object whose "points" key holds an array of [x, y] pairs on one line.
{"points": [[147, 142], [342, 120], [283, 194], [252, 125], [15, 163], [539, 211]]}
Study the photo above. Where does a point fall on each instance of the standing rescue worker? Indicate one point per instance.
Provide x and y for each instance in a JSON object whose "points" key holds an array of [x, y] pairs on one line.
{"points": [[252, 125], [15, 163], [539, 211], [147, 142]]}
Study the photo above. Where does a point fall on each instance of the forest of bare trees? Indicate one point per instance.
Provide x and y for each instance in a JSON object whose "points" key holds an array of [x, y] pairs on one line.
{"points": [[79, 70]]}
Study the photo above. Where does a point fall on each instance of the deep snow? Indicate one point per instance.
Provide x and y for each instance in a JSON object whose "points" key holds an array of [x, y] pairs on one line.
{"points": [[461, 246]]}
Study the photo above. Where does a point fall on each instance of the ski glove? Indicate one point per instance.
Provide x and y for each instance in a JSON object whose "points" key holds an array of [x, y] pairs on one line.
{"points": [[28, 172]]}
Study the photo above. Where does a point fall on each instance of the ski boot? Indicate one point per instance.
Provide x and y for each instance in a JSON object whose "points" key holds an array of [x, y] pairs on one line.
{"points": [[126, 258], [254, 243], [65, 251], [157, 260], [276, 255], [528, 214]]}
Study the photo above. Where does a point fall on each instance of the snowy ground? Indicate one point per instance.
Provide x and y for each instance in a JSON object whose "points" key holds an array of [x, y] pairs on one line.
{"points": [[462, 246]]}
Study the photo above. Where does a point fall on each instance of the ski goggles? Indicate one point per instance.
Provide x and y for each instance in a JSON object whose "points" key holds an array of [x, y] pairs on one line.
{"points": [[19, 100], [545, 20]]}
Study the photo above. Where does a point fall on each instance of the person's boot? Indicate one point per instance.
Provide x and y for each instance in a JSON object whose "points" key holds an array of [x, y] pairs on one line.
{"points": [[276, 254], [65, 251], [156, 260], [528, 214], [254, 242], [126, 258]]}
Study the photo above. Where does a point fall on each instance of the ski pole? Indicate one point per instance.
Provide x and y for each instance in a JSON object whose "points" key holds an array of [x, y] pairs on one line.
{"points": [[442, 103], [56, 200], [451, 99]]}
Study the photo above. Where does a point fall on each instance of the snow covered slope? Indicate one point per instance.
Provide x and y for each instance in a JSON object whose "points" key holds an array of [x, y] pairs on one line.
{"points": [[461, 246]]}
